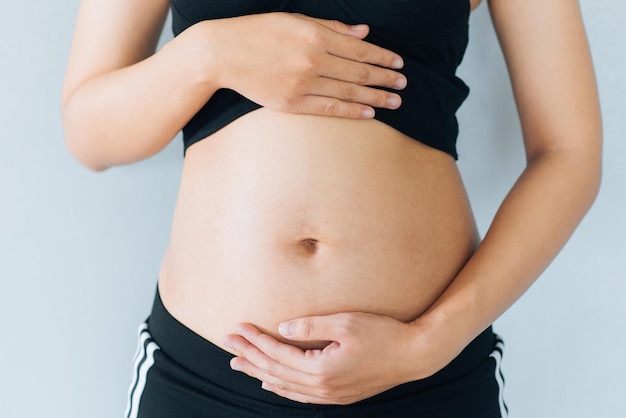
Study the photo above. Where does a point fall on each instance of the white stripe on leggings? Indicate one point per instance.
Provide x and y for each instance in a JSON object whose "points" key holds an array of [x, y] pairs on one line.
{"points": [[143, 335], [497, 355], [144, 360]]}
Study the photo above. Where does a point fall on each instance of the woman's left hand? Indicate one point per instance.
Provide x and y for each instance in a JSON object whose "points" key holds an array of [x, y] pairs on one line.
{"points": [[367, 354]]}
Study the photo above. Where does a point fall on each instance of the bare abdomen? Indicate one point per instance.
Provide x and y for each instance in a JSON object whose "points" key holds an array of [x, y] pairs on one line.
{"points": [[281, 216]]}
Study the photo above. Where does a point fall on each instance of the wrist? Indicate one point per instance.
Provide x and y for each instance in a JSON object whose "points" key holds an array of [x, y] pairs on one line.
{"points": [[460, 311], [195, 50], [435, 341]]}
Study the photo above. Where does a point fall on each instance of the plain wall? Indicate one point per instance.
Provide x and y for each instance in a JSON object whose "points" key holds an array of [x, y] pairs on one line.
{"points": [[80, 252]]}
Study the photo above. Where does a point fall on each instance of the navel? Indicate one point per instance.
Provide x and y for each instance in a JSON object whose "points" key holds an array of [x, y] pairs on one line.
{"points": [[309, 245]]}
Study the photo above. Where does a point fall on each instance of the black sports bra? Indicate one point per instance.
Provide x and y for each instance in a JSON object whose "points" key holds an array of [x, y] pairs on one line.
{"points": [[430, 35]]}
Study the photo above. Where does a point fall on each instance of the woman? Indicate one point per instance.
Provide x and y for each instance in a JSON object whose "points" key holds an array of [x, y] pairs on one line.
{"points": [[322, 241]]}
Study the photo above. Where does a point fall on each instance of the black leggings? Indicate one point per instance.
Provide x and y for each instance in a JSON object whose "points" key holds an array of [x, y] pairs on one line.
{"points": [[178, 374]]}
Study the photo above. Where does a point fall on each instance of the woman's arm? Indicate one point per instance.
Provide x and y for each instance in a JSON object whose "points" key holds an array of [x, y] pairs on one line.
{"points": [[551, 70], [554, 85], [121, 103]]}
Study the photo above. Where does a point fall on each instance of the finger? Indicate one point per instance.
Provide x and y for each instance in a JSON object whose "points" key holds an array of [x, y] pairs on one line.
{"points": [[255, 355], [360, 31], [329, 106], [361, 51], [268, 344], [302, 385], [315, 328], [354, 48], [351, 92], [261, 348], [361, 73], [279, 376], [255, 363]]}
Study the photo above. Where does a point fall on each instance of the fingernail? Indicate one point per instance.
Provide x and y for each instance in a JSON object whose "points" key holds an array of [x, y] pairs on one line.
{"points": [[286, 329], [394, 102], [359, 27], [235, 366], [367, 113], [400, 83], [397, 63]]}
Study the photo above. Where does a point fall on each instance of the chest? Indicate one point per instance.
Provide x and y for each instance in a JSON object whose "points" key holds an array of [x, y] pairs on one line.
{"points": [[403, 19]]}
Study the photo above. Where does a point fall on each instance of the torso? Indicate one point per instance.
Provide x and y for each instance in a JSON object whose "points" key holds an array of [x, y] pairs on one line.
{"points": [[283, 215]]}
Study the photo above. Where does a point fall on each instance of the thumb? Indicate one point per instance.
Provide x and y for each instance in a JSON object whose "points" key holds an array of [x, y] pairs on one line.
{"points": [[312, 328]]}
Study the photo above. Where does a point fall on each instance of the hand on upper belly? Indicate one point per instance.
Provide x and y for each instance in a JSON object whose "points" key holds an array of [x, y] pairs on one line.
{"points": [[366, 355]]}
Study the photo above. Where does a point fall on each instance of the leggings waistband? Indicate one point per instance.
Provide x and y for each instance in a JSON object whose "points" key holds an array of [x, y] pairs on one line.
{"points": [[211, 363]]}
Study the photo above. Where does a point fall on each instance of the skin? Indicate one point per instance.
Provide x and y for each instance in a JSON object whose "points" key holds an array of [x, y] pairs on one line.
{"points": [[550, 67], [328, 72], [554, 85]]}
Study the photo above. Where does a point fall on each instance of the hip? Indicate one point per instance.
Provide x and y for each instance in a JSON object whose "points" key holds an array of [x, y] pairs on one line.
{"points": [[178, 373]]}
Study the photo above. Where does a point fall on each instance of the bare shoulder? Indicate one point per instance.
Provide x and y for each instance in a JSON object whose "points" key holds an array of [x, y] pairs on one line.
{"points": [[111, 34], [551, 70]]}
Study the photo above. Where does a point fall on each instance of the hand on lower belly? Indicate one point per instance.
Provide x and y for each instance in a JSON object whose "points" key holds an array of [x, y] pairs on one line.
{"points": [[367, 355]]}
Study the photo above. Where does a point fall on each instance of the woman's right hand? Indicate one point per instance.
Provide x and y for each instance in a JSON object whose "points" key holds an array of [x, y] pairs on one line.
{"points": [[298, 64]]}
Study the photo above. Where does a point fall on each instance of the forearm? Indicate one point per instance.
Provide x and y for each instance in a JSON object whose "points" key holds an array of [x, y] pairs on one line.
{"points": [[532, 225], [131, 113], [122, 109]]}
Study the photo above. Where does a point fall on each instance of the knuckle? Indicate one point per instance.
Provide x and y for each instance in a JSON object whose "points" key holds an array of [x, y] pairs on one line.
{"points": [[322, 376], [389, 79], [320, 381], [296, 87], [354, 111], [307, 327], [380, 100], [363, 76], [307, 63], [270, 368], [330, 108], [262, 363], [284, 103], [348, 323], [362, 53], [387, 59], [336, 25], [349, 93], [311, 34]]}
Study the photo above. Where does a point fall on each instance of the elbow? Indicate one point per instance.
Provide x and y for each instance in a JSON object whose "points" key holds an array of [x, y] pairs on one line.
{"points": [[79, 154], [79, 142], [590, 184], [578, 162], [586, 171], [596, 180], [76, 146], [590, 159]]}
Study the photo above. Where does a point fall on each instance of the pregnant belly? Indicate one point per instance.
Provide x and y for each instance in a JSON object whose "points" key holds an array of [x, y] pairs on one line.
{"points": [[281, 216]]}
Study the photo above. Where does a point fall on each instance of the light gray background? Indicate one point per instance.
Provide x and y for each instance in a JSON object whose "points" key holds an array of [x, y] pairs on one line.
{"points": [[79, 252]]}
